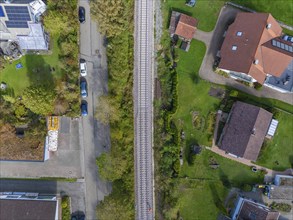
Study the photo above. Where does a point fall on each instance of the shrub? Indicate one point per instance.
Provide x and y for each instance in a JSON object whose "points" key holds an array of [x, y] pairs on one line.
{"points": [[283, 207], [65, 208], [246, 188], [222, 73], [234, 93], [257, 86]]}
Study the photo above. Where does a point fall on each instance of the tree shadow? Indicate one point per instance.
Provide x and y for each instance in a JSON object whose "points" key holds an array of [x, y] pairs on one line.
{"points": [[224, 179], [39, 72], [194, 77], [188, 151], [216, 198]]}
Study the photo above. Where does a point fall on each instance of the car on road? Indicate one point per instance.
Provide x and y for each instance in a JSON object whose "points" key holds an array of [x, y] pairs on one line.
{"points": [[83, 108], [288, 38], [83, 89], [83, 68], [81, 14]]}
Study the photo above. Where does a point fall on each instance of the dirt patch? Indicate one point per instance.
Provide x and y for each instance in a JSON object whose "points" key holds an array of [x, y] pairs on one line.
{"points": [[15, 148], [158, 90], [217, 92]]}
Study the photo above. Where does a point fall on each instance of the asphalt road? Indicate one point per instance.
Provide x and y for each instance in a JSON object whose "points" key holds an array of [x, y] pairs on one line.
{"points": [[93, 135]]}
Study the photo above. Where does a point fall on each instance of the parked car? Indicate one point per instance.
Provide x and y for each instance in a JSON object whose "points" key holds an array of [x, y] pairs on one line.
{"points": [[83, 109], [288, 38], [81, 14], [83, 89], [83, 67]]}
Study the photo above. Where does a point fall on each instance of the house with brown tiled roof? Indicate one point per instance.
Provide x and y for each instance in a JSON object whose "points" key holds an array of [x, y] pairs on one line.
{"points": [[245, 130], [254, 51], [246, 209], [182, 25]]}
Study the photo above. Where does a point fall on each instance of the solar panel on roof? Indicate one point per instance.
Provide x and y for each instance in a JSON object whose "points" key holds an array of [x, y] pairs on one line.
{"points": [[283, 46], [16, 24], [290, 49], [1, 12], [17, 13], [19, 17], [274, 43], [278, 44]]}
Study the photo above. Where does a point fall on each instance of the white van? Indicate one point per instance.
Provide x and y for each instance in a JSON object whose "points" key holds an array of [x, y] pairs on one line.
{"points": [[83, 68]]}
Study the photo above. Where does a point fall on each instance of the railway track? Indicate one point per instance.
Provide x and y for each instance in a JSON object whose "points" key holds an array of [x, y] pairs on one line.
{"points": [[143, 109]]}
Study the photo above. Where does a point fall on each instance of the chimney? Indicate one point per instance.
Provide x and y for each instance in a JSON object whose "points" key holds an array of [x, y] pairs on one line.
{"points": [[253, 131], [269, 25], [255, 61]]}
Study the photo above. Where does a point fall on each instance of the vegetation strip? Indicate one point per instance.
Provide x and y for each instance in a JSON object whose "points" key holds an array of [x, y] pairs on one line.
{"points": [[115, 19]]}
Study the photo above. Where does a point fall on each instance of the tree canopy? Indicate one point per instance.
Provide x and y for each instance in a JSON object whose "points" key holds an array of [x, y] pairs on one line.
{"points": [[39, 100], [110, 15]]}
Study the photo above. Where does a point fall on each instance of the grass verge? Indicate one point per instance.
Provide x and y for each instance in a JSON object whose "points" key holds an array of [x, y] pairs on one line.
{"points": [[65, 203]]}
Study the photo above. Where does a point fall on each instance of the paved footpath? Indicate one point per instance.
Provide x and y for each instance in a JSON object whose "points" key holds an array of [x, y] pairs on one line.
{"points": [[213, 41]]}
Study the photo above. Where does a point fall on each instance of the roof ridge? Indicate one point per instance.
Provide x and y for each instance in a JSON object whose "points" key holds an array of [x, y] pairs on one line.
{"points": [[258, 44]]}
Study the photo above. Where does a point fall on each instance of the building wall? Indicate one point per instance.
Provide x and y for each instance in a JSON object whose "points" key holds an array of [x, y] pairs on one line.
{"points": [[275, 88], [239, 76]]}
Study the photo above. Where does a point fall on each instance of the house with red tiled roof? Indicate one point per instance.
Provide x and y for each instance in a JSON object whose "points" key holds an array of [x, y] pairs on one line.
{"points": [[254, 51], [182, 25]]}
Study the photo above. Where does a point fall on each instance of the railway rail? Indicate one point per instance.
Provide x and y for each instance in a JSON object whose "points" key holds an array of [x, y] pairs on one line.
{"points": [[143, 109]]}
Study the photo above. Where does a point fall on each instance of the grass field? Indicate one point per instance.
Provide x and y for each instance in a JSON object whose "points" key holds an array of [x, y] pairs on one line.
{"points": [[277, 153], [193, 95], [212, 185], [207, 11], [281, 9], [203, 190], [36, 69]]}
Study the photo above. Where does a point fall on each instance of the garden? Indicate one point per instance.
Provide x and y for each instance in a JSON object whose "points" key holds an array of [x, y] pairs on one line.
{"points": [[198, 189], [45, 83]]}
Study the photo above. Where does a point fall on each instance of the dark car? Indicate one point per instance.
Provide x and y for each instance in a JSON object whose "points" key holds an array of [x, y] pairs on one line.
{"points": [[81, 14], [78, 216], [83, 89], [83, 109]]}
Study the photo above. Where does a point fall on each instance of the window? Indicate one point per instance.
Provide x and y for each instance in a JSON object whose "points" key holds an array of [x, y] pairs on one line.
{"points": [[239, 33], [234, 47]]}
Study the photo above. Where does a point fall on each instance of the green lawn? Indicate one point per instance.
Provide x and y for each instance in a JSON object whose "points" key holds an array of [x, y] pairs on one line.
{"points": [[281, 9], [193, 95], [36, 69], [202, 194], [205, 11], [277, 153], [202, 190], [200, 202]]}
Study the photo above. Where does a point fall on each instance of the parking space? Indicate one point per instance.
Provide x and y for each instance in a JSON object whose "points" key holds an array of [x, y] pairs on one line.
{"points": [[65, 162]]}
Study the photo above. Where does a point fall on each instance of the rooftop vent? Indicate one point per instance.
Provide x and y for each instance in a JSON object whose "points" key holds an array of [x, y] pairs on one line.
{"points": [[239, 33], [253, 131], [255, 61], [234, 47], [269, 25]]}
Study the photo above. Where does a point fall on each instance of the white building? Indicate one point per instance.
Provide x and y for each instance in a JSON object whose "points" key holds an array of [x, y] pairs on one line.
{"points": [[19, 23]]}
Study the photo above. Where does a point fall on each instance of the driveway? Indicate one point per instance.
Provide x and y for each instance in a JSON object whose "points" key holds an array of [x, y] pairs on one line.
{"points": [[95, 137], [213, 41]]}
